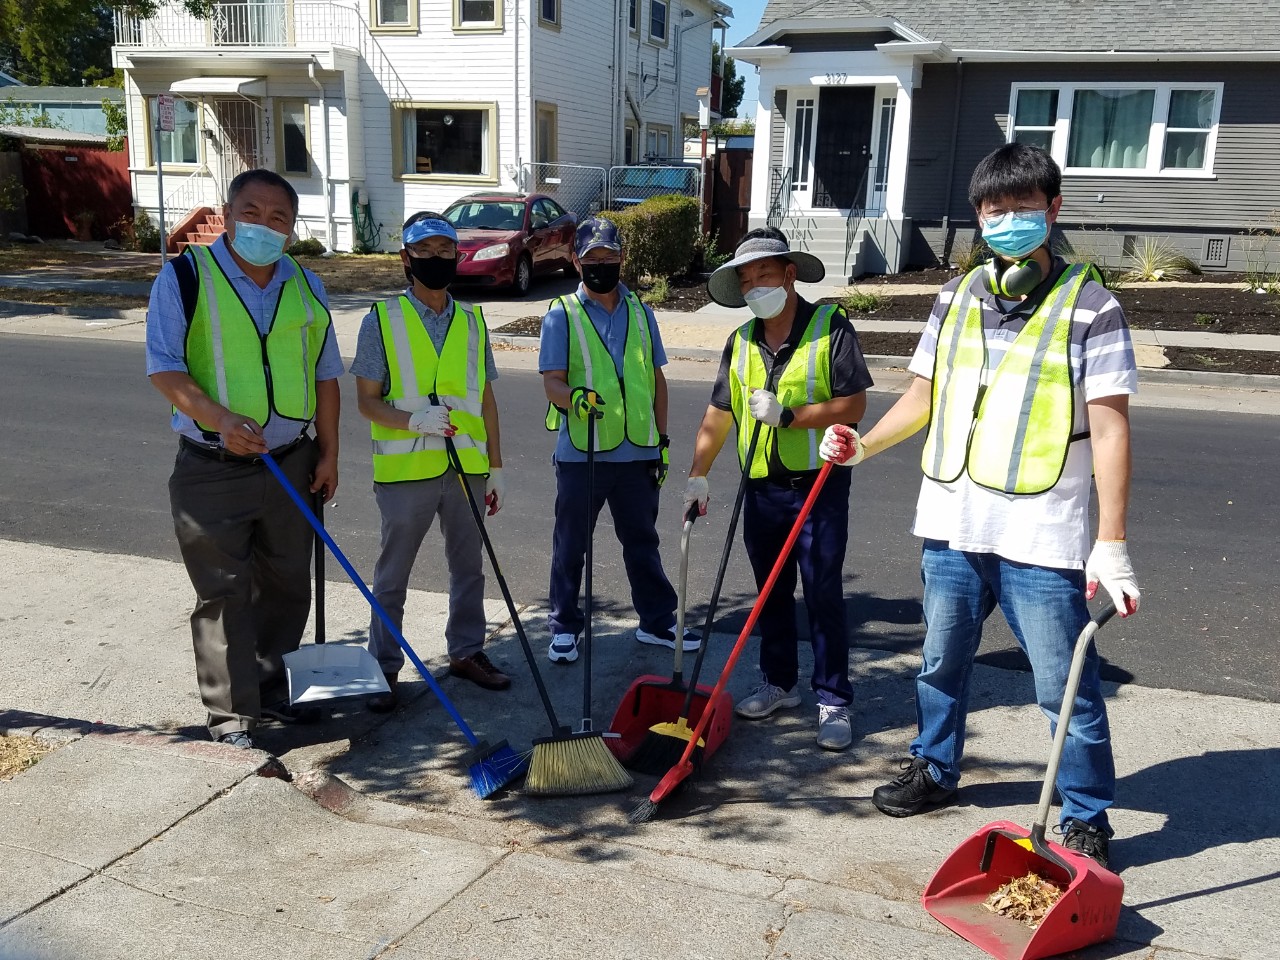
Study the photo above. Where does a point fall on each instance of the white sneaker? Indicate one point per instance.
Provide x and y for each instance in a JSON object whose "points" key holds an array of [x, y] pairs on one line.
{"points": [[563, 649], [667, 638], [765, 699], [834, 730]]}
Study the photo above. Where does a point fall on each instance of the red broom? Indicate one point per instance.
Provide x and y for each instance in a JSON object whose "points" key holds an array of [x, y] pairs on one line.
{"points": [[648, 808]]}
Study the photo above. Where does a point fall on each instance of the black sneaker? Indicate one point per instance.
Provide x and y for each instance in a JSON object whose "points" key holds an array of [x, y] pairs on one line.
{"points": [[239, 739], [282, 712], [912, 791], [1084, 838]]}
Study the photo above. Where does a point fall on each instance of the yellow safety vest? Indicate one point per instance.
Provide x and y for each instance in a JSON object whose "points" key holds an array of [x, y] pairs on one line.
{"points": [[628, 403], [456, 376], [1013, 433], [255, 375], [805, 379]]}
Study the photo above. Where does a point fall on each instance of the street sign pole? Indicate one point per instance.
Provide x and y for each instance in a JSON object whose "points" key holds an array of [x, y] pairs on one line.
{"points": [[164, 124]]}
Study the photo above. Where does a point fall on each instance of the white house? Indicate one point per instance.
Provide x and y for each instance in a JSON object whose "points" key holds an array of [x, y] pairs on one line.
{"points": [[377, 108]]}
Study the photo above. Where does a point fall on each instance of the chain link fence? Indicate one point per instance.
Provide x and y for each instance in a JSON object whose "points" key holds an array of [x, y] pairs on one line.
{"points": [[578, 188], [635, 183]]}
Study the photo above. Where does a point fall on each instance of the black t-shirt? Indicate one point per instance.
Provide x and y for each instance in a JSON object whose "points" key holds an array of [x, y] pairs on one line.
{"points": [[849, 373]]}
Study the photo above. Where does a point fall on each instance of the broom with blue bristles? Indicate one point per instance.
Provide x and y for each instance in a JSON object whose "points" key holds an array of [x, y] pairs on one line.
{"points": [[491, 767]]}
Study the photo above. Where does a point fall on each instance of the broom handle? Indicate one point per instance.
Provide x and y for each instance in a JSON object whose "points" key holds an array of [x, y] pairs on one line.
{"points": [[502, 583], [319, 565], [724, 560], [677, 669], [586, 629], [756, 608], [307, 512]]}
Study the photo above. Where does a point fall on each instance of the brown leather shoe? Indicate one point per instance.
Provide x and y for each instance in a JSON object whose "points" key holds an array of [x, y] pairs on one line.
{"points": [[479, 669], [386, 702]]}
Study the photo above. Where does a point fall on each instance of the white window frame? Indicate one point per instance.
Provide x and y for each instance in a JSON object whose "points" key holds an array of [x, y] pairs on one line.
{"points": [[1156, 137], [478, 26], [403, 111], [653, 134], [281, 104], [376, 24]]}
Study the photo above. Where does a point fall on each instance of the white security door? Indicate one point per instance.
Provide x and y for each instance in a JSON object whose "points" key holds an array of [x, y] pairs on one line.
{"points": [[803, 122]]}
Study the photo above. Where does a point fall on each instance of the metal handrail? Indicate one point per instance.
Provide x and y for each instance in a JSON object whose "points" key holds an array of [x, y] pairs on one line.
{"points": [[780, 181]]}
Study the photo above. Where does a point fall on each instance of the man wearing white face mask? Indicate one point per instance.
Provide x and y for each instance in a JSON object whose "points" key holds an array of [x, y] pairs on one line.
{"points": [[216, 312], [790, 373]]}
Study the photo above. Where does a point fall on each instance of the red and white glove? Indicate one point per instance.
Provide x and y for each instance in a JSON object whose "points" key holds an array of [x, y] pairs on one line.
{"points": [[495, 490], [432, 421], [1109, 565], [842, 445], [697, 491]]}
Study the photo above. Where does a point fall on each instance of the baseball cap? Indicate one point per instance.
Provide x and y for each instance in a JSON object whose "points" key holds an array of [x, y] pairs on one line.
{"points": [[596, 232], [428, 227]]}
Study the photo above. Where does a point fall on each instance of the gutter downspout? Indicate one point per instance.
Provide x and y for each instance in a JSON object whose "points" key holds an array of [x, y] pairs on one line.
{"points": [[951, 163], [515, 85], [324, 170]]}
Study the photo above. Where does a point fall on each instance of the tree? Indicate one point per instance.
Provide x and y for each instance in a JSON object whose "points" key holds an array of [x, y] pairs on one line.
{"points": [[732, 85]]}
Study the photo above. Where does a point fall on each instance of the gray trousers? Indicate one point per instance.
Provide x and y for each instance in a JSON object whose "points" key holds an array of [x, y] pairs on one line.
{"points": [[408, 511], [247, 549]]}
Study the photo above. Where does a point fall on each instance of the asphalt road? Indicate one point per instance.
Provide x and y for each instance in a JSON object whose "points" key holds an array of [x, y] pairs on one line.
{"points": [[87, 453]]}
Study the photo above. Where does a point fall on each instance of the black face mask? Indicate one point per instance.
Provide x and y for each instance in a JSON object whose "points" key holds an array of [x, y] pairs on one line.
{"points": [[601, 277], [434, 273]]}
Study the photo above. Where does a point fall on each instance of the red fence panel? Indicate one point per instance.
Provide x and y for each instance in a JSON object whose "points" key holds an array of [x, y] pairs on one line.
{"points": [[71, 186]]}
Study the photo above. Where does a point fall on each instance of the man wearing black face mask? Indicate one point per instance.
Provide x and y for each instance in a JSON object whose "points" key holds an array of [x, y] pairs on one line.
{"points": [[418, 381], [601, 355]]}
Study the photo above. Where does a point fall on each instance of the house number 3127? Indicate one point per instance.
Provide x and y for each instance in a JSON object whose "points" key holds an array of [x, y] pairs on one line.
{"points": [[835, 79]]}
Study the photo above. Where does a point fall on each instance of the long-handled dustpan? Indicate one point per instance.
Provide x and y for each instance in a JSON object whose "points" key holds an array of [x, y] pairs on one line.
{"points": [[326, 673], [1089, 906], [652, 699]]}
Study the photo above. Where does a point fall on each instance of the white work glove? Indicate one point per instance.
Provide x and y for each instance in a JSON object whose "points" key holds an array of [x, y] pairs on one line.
{"points": [[697, 491], [842, 445], [764, 406], [495, 490], [432, 421], [1109, 565]]}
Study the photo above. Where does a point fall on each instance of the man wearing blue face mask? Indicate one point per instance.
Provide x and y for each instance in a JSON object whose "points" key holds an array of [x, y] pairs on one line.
{"points": [[788, 374], [216, 314], [1023, 377], [424, 371]]}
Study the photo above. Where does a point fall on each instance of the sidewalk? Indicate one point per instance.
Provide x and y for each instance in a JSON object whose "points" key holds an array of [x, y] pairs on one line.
{"points": [[144, 841]]}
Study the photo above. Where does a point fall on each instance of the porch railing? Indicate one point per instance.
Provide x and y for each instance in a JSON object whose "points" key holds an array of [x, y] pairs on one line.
{"points": [[863, 206], [779, 195], [252, 23], [198, 189]]}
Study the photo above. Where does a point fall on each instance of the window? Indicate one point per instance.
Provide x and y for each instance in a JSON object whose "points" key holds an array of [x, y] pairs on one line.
{"points": [[658, 142], [456, 140], [545, 145], [394, 16], [801, 143], [658, 20], [294, 154], [549, 11], [629, 144], [182, 145], [633, 17], [1125, 129], [477, 14]]}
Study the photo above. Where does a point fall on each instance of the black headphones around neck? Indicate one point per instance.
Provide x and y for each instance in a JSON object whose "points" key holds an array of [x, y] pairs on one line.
{"points": [[1010, 280]]}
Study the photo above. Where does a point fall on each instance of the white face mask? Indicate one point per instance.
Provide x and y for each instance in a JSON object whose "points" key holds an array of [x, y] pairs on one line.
{"points": [[766, 302]]}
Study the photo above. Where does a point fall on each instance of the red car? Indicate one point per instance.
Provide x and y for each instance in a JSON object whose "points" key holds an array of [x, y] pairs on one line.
{"points": [[506, 239]]}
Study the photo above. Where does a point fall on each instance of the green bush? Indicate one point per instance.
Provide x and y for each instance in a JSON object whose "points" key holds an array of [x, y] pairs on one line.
{"points": [[310, 247], [659, 236], [657, 293], [146, 234], [860, 301]]}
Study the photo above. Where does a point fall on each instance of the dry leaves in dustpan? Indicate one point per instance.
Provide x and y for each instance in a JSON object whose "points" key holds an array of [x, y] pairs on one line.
{"points": [[1025, 899]]}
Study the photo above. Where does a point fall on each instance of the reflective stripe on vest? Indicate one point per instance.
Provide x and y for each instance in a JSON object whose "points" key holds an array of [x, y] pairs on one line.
{"points": [[628, 404], [456, 375], [230, 359], [1013, 434], [805, 379]]}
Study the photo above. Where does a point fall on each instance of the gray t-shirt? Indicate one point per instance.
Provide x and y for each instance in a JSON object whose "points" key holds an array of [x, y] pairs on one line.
{"points": [[371, 356]]}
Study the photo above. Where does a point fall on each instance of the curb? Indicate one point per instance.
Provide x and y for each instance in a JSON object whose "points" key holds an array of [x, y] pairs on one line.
{"points": [[21, 308]]}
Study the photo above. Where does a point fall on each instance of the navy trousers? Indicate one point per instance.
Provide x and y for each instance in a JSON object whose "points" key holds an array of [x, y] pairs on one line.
{"points": [[632, 494], [768, 513]]}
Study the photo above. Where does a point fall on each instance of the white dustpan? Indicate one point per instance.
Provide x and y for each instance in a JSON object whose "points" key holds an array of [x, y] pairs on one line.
{"points": [[328, 672]]}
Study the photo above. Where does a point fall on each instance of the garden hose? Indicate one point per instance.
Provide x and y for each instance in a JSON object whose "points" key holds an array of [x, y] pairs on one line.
{"points": [[364, 230]]}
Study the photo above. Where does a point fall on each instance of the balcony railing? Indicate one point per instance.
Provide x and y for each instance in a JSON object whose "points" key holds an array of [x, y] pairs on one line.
{"points": [[248, 23]]}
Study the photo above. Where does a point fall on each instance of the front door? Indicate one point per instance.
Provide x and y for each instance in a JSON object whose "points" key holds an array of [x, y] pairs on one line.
{"points": [[842, 147], [240, 145]]}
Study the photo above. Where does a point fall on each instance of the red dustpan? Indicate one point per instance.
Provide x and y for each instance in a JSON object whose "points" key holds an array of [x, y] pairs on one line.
{"points": [[1089, 908]]}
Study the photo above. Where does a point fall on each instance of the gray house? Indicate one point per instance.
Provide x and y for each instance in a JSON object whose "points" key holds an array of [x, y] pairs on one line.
{"points": [[1163, 114]]}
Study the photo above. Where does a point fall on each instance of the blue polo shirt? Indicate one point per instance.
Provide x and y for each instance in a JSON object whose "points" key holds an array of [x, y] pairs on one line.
{"points": [[553, 354], [167, 332]]}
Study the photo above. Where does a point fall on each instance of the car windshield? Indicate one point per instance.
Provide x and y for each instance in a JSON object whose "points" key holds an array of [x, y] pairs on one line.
{"points": [[486, 215]]}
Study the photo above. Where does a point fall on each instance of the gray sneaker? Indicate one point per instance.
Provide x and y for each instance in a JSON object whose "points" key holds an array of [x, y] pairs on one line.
{"points": [[239, 739], [834, 729], [765, 700]]}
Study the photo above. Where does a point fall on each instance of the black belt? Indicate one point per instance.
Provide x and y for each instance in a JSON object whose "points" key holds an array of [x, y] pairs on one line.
{"points": [[222, 456], [791, 481]]}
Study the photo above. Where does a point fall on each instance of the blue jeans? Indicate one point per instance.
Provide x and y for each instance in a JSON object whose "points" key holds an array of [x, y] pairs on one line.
{"points": [[768, 512], [1046, 610], [632, 494]]}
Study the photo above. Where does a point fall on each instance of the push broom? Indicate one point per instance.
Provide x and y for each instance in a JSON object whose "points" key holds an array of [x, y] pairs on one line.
{"points": [[560, 765], [647, 809], [490, 767]]}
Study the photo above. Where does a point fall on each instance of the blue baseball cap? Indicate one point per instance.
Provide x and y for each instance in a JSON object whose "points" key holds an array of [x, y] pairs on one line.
{"points": [[596, 232], [428, 227]]}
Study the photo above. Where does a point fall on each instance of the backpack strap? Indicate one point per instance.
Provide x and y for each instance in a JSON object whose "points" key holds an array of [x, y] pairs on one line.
{"points": [[184, 268]]}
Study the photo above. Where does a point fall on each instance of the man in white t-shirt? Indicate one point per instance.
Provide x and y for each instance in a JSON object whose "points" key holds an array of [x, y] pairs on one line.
{"points": [[1023, 377]]}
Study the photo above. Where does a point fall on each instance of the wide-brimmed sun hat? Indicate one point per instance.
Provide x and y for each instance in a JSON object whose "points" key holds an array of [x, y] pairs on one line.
{"points": [[724, 286]]}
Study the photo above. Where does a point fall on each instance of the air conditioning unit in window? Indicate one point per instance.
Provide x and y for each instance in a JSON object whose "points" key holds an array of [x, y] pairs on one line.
{"points": [[1215, 251]]}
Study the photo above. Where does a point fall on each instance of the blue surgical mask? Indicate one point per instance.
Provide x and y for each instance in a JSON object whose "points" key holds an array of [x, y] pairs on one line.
{"points": [[257, 244], [1016, 234]]}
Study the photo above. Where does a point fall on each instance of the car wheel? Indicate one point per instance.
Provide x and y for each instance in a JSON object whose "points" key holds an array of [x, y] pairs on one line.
{"points": [[523, 278]]}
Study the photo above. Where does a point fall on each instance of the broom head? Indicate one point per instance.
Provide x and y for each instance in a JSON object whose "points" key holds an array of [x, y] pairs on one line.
{"points": [[572, 765], [663, 746], [493, 767], [647, 809]]}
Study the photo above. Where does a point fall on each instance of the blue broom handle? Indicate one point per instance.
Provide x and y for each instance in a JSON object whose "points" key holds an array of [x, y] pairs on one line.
{"points": [[368, 595]]}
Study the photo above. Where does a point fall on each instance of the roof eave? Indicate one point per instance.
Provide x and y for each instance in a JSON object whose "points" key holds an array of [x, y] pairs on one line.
{"points": [[776, 28]]}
